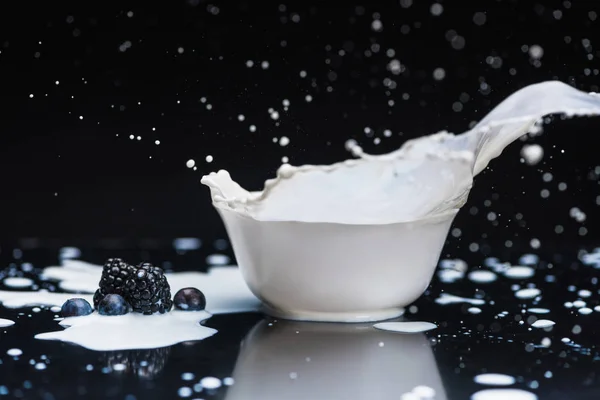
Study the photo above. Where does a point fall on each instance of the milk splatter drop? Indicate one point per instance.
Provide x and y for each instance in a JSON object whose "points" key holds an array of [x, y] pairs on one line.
{"points": [[528, 293], [535, 310], [532, 153], [190, 163], [519, 272], [482, 276], [503, 394], [210, 382], [495, 379], [446, 298], [6, 322], [14, 352], [543, 323], [16, 282], [405, 327]]}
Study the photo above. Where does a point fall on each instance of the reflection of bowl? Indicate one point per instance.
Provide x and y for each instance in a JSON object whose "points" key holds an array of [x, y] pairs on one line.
{"points": [[299, 361], [336, 272]]}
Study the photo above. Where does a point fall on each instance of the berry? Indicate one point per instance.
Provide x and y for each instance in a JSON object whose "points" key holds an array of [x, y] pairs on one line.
{"points": [[113, 304], [76, 308], [114, 276], [148, 291], [189, 299]]}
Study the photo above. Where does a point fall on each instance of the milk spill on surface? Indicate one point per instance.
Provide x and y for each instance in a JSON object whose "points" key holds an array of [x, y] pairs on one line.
{"points": [[6, 322], [503, 394], [135, 331], [224, 288], [426, 176], [495, 379], [405, 327]]}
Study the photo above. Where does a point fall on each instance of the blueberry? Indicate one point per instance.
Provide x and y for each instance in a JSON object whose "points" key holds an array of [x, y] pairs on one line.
{"points": [[113, 304], [189, 299], [76, 308]]}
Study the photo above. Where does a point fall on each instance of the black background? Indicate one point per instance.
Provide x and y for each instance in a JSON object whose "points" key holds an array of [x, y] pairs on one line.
{"points": [[81, 180], [67, 177]]}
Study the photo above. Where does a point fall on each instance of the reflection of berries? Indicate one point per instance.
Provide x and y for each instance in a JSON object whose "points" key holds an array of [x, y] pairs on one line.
{"points": [[148, 291], [143, 363], [113, 304], [76, 308], [189, 299], [114, 276]]}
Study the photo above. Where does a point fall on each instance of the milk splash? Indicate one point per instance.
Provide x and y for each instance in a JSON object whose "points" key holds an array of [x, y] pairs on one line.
{"points": [[426, 176]]}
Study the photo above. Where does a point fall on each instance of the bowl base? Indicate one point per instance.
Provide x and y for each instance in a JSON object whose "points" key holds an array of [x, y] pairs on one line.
{"points": [[345, 317]]}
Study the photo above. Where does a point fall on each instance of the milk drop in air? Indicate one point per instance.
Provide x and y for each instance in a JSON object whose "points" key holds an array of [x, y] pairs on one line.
{"points": [[532, 153], [190, 163]]}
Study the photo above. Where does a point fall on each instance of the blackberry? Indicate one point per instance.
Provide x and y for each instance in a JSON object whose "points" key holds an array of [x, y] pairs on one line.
{"points": [[148, 291], [115, 274]]}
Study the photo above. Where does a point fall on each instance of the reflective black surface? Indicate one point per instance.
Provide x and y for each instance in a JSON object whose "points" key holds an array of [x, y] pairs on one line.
{"points": [[270, 359]]}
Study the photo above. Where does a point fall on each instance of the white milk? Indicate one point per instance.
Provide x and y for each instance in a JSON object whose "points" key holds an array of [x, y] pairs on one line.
{"points": [[425, 176]]}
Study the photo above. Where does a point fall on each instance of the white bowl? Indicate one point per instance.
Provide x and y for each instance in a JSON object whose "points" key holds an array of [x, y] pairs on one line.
{"points": [[336, 272], [332, 242], [300, 361]]}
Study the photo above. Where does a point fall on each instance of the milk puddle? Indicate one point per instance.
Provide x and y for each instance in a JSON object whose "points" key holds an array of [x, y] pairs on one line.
{"points": [[224, 288]]}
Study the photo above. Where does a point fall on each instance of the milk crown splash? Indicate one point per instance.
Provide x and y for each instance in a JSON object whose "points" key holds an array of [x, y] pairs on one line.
{"points": [[426, 176]]}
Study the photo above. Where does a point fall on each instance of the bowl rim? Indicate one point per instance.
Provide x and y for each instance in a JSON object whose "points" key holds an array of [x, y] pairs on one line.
{"points": [[429, 219]]}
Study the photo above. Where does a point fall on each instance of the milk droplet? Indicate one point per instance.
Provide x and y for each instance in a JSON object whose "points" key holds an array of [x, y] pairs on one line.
{"points": [[6, 322], [532, 153], [190, 163], [424, 392], [446, 298], [543, 323], [14, 352], [519, 272], [284, 141], [503, 394], [209, 158], [210, 382], [528, 293], [405, 327], [16, 282], [495, 379], [538, 310], [482, 276]]}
